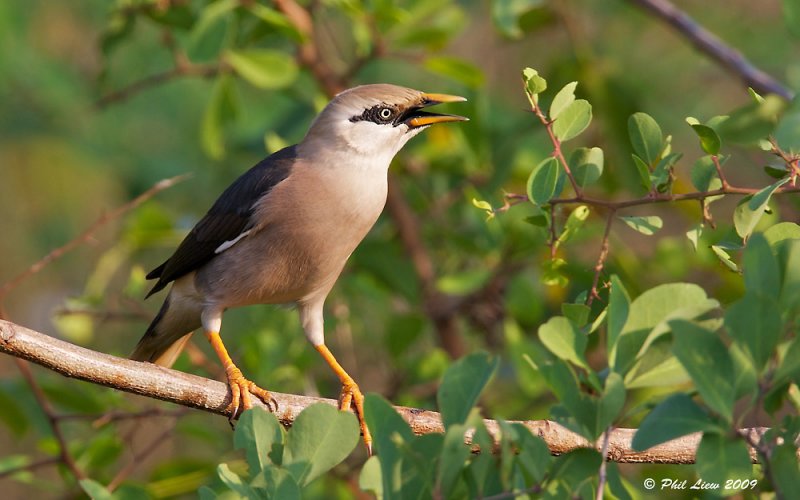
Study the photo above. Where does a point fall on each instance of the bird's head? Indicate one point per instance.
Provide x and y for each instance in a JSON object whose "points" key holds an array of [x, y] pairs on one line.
{"points": [[377, 120]]}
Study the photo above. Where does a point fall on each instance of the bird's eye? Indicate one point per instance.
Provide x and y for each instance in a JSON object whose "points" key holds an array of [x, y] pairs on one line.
{"points": [[385, 113]]}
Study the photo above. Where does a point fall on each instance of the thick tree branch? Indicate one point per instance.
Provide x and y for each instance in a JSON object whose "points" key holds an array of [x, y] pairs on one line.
{"points": [[711, 45], [212, 396]]}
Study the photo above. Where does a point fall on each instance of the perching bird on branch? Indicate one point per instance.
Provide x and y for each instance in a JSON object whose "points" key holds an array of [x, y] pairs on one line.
{"points": [[283, 231]]}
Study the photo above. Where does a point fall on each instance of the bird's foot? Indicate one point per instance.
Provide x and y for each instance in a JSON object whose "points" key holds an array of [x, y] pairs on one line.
{"points": [[241, 389], [352, 396]]}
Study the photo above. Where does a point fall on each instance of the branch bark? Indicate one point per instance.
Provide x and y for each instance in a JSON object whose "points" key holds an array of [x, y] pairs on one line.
{"points": [[188, 390], [709, 44]]}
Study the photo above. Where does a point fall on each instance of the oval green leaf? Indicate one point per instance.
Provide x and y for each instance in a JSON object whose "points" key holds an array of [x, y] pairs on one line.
{"points": [[263, 68], [573, 120]]}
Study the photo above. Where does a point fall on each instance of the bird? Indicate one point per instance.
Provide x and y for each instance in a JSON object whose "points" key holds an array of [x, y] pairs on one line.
{"points": [[283, 231]]}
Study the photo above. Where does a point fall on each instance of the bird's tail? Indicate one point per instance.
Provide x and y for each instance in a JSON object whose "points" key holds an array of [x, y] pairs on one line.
{"points": [[168, 333]]}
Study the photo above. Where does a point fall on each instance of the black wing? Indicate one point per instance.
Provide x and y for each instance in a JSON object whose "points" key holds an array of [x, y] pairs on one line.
{"points": [[228, 218]]}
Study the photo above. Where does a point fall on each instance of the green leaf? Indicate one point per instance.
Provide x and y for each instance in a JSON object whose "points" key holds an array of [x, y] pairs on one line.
{"points": [[552, 274], [676, 416], [543, 180], [456, 68], [618, 306], [612, 401], [661, 178], [755, 121], [454, 454], [709, 140], [643, 171], [389, 432], [370, 479], [320, 438], [275, 19], [577, 313], [263, 68], [219, 110], [720, 458], [707, 361], [782, 231], [586, 165], [210, 15], [785, 468], [646, 225], [576, 467], [789, 368], [648, 315], [534, 84], [279, 484], [573, 120], [754, 321], [260, 435], [484, 205], [761, 275], [725, 258], [95, 490], [574, 223], [694, 234], [234, 482], [646, 137], [506, 15], [534, 456], [787, 133], [461, 385], [563, 339], [563, 98], [704, 175], [750, 210]]}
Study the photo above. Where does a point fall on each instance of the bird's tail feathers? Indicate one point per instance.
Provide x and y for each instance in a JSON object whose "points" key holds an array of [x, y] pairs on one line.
{"points": [[168, 333]]}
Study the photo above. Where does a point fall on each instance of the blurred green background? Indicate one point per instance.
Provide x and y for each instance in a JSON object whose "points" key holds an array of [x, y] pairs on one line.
{"points": [[66, 157]]}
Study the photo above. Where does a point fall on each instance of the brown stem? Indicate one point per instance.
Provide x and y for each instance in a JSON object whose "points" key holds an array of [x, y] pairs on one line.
{"points": [[601, 260], [711, 45], [212, 396], [63, 450], [191, 70], [557, 153]]}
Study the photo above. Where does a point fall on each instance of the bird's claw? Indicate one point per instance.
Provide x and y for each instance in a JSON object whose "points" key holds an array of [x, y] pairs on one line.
{"points": [[352, 396], [241, 390]]}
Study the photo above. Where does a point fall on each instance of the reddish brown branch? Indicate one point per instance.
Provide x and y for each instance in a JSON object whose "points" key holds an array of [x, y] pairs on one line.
{"points": [[156, 382], [709, 44], [601, 260]]}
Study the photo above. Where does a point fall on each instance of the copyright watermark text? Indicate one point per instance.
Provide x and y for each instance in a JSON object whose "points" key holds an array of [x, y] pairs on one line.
{"points": [[699, 484]]}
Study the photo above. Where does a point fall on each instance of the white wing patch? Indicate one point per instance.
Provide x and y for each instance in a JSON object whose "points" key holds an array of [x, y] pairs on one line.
{"points": [[226, 245]]}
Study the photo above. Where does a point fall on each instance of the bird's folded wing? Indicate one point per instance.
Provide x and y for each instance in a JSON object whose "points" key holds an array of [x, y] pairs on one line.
{"points": [[228, 221]]}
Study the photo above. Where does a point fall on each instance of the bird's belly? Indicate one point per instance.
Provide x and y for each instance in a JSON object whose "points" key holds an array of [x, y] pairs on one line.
{"points": [[272, 267]]}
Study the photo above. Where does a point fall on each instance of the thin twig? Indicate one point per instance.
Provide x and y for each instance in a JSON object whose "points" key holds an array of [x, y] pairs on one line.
{"points": [[557, 152], [137, 458], [711, 45], [46, 462], [603, 475], [63, 450], [82, 238], [154, 80], [601, 260]]}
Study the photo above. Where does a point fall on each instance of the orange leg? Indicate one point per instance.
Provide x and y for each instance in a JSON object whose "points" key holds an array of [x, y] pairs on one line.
{"points": [[241, 388], [351, 394]]}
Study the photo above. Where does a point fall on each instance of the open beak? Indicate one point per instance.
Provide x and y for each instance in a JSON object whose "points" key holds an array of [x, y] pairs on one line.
{"points": [[416, 117]]}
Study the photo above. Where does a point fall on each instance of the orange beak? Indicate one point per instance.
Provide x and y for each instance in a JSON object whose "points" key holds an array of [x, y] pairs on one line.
{"points": [[419, 118]]}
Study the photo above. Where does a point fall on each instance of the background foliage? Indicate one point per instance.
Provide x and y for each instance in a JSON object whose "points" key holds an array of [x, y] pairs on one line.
{"points": [[680, 340]]}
